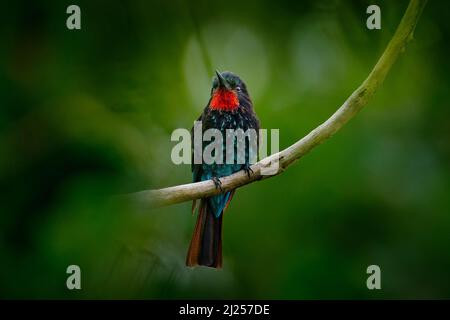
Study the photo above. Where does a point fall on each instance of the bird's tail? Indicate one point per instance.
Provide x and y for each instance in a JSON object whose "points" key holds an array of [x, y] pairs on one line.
{"points": [[206, 244]]}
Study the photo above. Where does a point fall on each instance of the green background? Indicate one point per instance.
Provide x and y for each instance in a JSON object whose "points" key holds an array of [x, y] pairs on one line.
{"points": [[88, 114]]}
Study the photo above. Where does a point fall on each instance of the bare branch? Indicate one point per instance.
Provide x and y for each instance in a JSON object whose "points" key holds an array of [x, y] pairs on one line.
{"points": [[357, 100]]}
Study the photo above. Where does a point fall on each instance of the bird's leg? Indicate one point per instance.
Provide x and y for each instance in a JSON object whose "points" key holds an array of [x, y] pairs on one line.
{"points": [[217, 183], [247, 170]]}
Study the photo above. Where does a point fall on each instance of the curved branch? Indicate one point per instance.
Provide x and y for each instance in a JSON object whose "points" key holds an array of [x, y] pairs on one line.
{"points": [[357, 100]]}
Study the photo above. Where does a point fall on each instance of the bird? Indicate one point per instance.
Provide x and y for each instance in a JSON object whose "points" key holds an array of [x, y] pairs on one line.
{"points": [[229, 107]]}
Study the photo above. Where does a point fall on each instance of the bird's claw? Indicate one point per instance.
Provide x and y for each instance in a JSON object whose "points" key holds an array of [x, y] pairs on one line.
{"points": [[217, 183], [247, 170]]}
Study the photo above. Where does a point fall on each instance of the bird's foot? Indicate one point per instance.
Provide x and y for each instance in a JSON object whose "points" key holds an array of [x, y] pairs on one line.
{"points": [[217, 183], [247, 170]]}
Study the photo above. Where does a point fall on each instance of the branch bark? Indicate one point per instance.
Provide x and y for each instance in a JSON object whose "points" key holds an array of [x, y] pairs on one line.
{"points": [[354, 103]]}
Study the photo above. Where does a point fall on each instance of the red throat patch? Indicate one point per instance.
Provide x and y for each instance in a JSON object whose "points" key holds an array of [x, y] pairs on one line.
{"points": [[224, 100]]}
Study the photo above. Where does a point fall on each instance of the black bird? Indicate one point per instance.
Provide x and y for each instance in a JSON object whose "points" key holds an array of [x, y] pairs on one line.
{"points": [[229, 107]]}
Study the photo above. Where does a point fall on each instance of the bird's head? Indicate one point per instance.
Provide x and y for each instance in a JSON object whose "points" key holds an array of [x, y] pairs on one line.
{"points": [[227, 91]]}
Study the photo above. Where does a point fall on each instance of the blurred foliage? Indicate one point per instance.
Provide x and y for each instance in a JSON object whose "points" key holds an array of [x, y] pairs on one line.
{"points": [[86, 115]]}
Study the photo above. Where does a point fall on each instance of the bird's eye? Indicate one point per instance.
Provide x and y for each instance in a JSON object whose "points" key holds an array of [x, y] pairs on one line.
{"points": [[238, 88]]}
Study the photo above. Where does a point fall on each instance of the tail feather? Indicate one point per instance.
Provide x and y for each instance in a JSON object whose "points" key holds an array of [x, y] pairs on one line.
{"points": [[206, 244], [229, 200]]}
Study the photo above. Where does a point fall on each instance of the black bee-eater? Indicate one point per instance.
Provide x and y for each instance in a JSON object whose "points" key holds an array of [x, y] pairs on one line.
{"points": [[229, 107]]}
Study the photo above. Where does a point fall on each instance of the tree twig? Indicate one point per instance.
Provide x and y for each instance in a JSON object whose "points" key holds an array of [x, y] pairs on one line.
{"points": [[357, 100]]}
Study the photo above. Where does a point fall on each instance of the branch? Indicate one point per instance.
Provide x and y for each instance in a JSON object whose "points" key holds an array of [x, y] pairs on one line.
{"points": [[357, 100]]}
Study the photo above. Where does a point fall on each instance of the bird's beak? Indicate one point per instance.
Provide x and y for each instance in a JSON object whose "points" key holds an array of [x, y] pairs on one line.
{"points": [[223, 83]]}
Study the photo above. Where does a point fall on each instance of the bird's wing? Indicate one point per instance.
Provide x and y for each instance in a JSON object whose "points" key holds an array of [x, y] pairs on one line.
{"points": [[196, 168]]}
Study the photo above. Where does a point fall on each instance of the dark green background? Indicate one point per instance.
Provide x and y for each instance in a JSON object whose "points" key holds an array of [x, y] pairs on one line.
{"points": [[88, 114]]}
